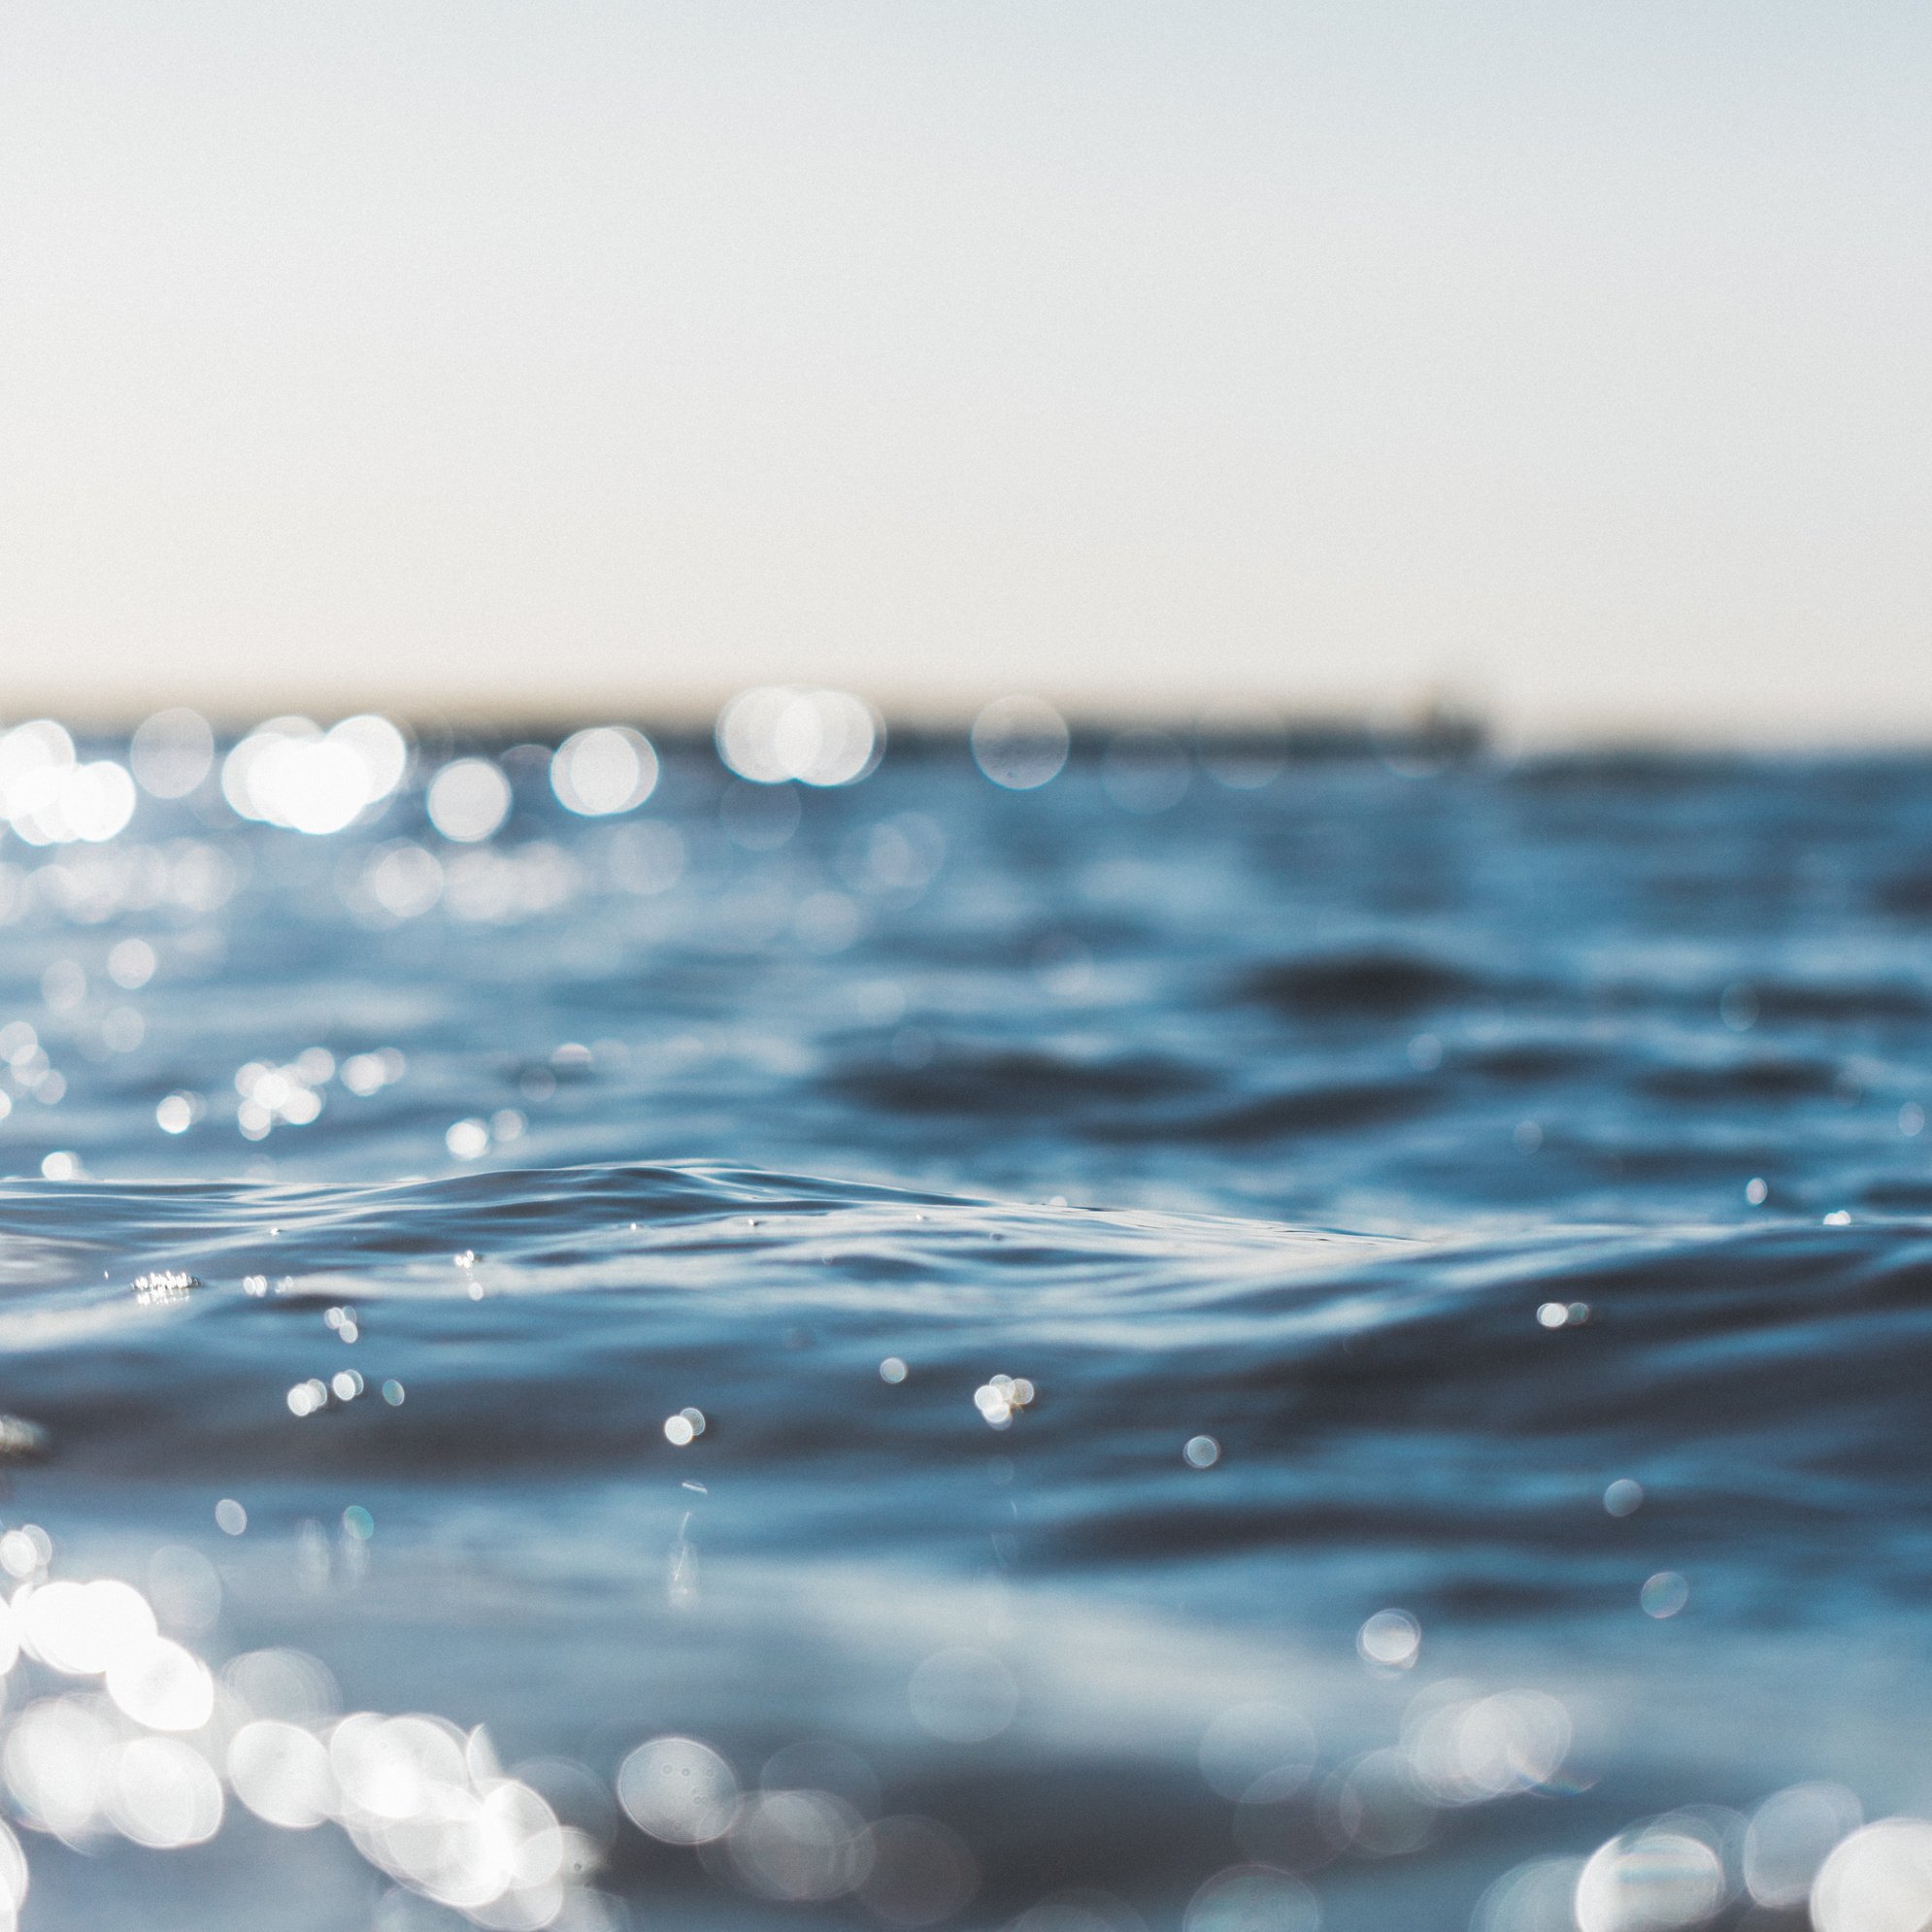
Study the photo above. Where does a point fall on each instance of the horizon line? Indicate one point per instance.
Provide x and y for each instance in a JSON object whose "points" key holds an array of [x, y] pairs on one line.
{"points": [[1439, 719]]}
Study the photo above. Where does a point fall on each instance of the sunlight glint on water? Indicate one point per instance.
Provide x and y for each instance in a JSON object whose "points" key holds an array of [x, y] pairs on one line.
{"points": [[554, 1380]]}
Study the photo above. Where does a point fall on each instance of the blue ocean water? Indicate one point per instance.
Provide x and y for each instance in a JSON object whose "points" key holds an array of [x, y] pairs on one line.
{"points": [[1338, 1342]]}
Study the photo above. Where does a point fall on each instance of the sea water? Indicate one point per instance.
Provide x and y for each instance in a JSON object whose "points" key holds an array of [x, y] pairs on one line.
{"points": [[1238, 1343]]}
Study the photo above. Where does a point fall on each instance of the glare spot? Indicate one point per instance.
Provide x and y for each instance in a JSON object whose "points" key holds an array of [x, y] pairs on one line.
{"points": [[230, 1517], [282, 1684], [403, 880], [281, 1773], [1002, 1398], [1253, 1898], [1623, 1497], [161, 1287], [1791, 1835], [1201, 1452], [164, 1795], [1837, 1217], [1664, 1594], [468, 800], [468, 1140], [356, 1521], [81, 1628], [60, 1166], [964, 1696], [306, 1397], [13, 1876], [1391, 1638], [1425, 1052], [131, 964], [1019, 743], [391, 1768], [1879, 1879], [291, 773], [1649, 1880], [678, 1790], [289, 1095], [684, 1428], [1537, 1896], [380, 747], [1469, 1751], [799, 1846], [171, 753], [51, 799], [605, 770], [819, 737], [346, 1385], [365, 1073], [1758, 1190], [1737, 1007], [1912, 1119], [892, 1370], [394, 1393], [58, 1759], [26, 753], [23, 1552], [162, 1685]]}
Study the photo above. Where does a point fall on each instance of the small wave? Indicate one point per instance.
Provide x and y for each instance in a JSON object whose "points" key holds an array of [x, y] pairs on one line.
{"points": [[1023, 1085], [437, 1417], [1370, 983], [1746, 1077], [1337, 1106], [1532, 1062], [628, 1424]]}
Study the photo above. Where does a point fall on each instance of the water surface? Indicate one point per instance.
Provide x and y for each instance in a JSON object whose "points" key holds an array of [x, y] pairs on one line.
{"points": [[1316, 1355]]}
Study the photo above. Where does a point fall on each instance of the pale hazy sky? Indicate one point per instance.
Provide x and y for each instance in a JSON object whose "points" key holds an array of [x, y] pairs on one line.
{"points": [[1577, 356]]}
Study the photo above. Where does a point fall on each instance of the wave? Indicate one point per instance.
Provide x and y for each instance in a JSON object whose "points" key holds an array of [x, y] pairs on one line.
{"points": [[1297, 1428]]}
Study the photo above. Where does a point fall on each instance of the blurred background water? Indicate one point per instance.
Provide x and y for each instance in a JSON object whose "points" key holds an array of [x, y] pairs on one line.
{"points": [[1152, 1332]]}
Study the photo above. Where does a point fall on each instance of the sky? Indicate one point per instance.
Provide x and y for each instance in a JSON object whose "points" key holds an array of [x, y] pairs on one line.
{"points": [[1566, 360]]}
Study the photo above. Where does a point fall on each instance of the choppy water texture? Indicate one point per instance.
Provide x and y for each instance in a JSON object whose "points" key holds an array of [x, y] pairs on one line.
{"points": [[1319, 1356]]}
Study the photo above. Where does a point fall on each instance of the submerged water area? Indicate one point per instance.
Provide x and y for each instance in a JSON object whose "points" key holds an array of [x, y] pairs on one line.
{"points": [[1210, 1339]]}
